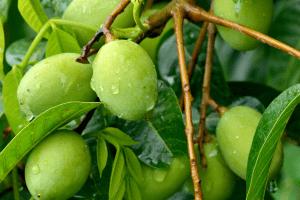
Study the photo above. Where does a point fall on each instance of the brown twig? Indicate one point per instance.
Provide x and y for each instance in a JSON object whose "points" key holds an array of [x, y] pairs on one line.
{"points": [[195, 56], [197, 15], [103, 31], [178, 16], [149, 4]]}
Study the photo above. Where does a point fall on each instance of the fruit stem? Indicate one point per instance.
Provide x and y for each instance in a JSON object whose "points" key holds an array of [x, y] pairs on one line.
{"points": [[136, 14], [195, 55], [197, 14], [178, 16]]}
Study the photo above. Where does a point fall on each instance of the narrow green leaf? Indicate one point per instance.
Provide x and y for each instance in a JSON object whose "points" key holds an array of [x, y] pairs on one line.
{"points": [[267, 135], [2, 47], [121, 191], [10, 101], [33, 14], [133, 164], [61, 42], [1, 132], [102, 154], [132, 189], [119, 136], [163, 136], [116, 175], [39, 128]]}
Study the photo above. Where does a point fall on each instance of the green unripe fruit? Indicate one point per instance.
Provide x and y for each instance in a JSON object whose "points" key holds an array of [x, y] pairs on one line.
{"points": [[58, 166], [160, 184], [94, 13], [55, 80], [255, 14], [235, 132], [125, 80], [218, 181], [151, 44]]}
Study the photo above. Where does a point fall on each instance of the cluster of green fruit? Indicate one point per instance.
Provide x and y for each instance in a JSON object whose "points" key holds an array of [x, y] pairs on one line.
{"points": [[123, 76]]}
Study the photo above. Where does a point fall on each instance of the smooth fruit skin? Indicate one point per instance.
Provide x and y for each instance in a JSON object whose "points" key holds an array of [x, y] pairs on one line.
{"points": [[94, 13], [218, 181], [58, 166], [52, 81], [255, 14], [160, 184], [151, 44], [125, 80], [235, 132]]}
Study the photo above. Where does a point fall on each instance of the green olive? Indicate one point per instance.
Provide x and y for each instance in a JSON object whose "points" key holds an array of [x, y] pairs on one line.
{"points": [[218, 181], [235, 132], [151, 44], [255, 14], [94, 13], [160, 184], [52, 81], [58, 166], [125, 80]]}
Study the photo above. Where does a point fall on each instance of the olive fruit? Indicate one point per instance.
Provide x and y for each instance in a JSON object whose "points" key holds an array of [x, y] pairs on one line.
{"points": [[125, 79], [151, 44], [58, 166], [218, 181], [160, 184], [235, 132], [94, 13], [52, 81], [255, 14]]}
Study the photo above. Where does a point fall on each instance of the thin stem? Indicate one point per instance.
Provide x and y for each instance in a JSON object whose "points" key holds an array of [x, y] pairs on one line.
{"points": [[104, 30], [136, 15], [33, 45], [15, 183], [178, 16], [197, 15], [206, 89], [195, 56]]}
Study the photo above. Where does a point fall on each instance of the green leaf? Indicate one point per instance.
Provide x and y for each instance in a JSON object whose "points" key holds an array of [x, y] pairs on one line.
{"points": [[4, 7], [119, 136], [61, 42], [33, 14], [163, 136], [117, 172], [2, 47], [17, 50], [102, 154], [267, 135], [132, 189], [169, 67], [133, 165], [39, 128], [10, 101], [121, 191]]}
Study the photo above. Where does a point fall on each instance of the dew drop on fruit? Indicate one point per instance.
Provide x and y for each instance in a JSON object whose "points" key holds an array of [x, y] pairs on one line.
{"points": [[101, 88], [150, 106], [234, 151], [36, 169], [115, 89], [237, 137], [159, 174]]}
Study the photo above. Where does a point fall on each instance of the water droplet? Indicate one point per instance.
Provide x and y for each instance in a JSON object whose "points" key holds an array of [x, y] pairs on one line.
{"points": [[38, 86], [234, 151], [192, 35], [159, 174], [237, 137], [130, 85], [115, 89], [45, 162], [272, 186], [150, 106], [36, 169], [101, 88]]}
